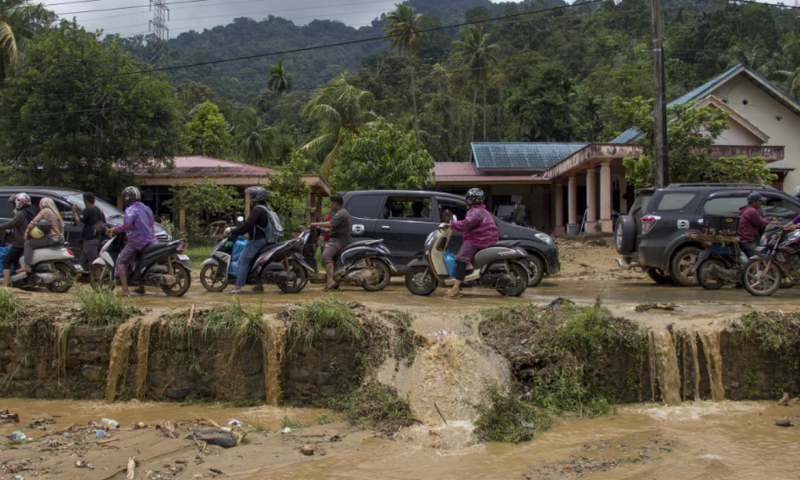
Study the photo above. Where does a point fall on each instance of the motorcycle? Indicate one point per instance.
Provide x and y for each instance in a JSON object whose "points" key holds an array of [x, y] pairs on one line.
{"points": [[363, 263], [158, 265], [777, 259], [278, 264], [720, 262], [501, 266], [51, 267]]}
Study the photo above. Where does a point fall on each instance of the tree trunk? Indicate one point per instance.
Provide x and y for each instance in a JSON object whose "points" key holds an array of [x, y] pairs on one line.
{"points": [[474, 114], [2, 69], [484, 113], [414, 101]]}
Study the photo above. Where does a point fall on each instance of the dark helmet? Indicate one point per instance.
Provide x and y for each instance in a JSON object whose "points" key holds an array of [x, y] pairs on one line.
{"points": [[258, 194], [44, 226], [475, 196], [130, 195]]}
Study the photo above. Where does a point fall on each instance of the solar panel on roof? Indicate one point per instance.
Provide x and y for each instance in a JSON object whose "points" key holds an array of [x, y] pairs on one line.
{"points": [[522, 156]]}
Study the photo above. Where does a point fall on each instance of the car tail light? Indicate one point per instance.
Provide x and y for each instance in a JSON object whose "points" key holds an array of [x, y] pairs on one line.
{"points": [[648, 222], [182, 246]]}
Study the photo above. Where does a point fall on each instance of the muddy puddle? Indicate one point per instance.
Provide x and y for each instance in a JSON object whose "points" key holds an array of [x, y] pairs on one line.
{"points": [[727, 440]]}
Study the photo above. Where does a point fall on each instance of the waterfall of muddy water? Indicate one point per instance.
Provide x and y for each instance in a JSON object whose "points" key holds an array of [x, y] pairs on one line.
{"points": [[452, 373], [662, 352], [143, 355], [118, 361], [274, 344], [691, 366], [710, 341]]}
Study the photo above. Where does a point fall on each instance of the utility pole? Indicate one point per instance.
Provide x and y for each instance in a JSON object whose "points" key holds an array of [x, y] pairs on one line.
{"points": [[158, 25], [659, 100]]}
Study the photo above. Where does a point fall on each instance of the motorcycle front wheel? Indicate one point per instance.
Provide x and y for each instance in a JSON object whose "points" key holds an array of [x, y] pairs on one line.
{"points": [[182, 281], [760, 280], [300, 278], [520, 281], [420, 281], [209, 279], [101, 278], [382, 276]]}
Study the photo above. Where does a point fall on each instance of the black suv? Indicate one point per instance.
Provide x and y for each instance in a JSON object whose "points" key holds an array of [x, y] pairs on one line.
{"points": [[652, 236], [404, 219], [64, 199]]}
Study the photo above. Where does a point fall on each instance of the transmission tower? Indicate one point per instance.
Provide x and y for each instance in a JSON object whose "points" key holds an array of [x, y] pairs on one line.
{"points": [[158, 25]]}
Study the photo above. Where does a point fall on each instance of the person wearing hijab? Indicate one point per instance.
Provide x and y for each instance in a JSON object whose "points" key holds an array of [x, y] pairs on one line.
{"points": [[55, 234]]}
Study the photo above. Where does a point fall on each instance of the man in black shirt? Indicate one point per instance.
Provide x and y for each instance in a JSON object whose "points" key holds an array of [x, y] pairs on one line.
{"points": [[94, 227], [256, 226]]}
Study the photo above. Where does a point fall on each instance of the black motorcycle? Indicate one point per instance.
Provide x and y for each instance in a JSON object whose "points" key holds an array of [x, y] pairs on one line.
{"points": [[720, 262]]}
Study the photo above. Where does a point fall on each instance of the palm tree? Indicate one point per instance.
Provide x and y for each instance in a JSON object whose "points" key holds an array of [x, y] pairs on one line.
{"points": [[402, 31], [252, 136], [18, 22], [278, 81], [336, 106], [476, 53]]}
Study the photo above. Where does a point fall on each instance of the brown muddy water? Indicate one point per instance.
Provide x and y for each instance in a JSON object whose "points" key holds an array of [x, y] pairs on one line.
{"points": [[698, 440]]}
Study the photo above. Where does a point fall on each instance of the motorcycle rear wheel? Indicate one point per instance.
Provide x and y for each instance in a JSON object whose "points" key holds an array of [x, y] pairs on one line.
{"points": [[520, 280], [706, 278], [383, 273], [182, 281], [101, 278], [65, 280], [760, 280], [420, 281], [300, 279], [209, 280]]}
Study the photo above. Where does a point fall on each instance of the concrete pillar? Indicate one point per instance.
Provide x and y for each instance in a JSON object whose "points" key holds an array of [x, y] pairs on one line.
{"points": [[572, 200], [560, 209], [309, 208], [605, 196], [320, 213], [182, 218], [591, 199]]}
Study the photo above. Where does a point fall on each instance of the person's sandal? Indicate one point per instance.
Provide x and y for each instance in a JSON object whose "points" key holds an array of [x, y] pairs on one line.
{"points": [[332, 288], [453, 295]]}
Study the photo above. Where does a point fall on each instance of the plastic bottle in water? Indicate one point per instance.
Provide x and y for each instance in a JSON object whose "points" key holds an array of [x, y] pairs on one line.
{"points": [[109, 424], [18, 436], [100, 433]]}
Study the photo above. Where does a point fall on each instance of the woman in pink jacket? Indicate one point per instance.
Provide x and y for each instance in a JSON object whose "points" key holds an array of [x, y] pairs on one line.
{"points": [[479, 231]]}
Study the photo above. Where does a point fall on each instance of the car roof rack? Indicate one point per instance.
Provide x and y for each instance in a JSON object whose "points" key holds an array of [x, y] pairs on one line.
{"points": [[740, 185]]}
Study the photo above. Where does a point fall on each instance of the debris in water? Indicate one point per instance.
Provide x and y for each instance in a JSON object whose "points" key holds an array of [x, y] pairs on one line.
{"points": [[217, 436], [286, 430], [109, 424], [439, 412], [100, 433], [82, 464], [784, 401], [785, 422], [560, 302], [18, 436], [169, 429], [139, 426], [671, 307], [6, 418], [39, 423], [131, 471], [216, 470], [235, 423], [336, 438], [307, 450]]}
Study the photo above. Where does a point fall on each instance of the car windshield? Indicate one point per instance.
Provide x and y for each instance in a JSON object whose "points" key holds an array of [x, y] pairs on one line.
{"points": [[110, 211]]}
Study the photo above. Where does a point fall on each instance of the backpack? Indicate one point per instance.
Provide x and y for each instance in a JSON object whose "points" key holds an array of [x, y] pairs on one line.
{"points": [[273, 232]]}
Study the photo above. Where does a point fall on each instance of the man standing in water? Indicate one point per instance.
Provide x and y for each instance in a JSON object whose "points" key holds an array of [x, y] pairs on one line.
{"points": [[340, 237]]}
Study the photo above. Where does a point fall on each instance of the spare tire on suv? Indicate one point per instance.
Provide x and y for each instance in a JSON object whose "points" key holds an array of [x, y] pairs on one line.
{"points": [[625, 235]]}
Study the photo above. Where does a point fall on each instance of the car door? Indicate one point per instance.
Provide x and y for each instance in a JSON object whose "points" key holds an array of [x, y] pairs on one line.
{"points": [[364, 210], [406, 222]]}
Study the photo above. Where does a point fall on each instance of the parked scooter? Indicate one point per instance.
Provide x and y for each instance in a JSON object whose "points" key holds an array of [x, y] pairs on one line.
{"points": [[363, 263], [279, 264], [159, 265], [501, 266], [720, 262], [51, 267]]}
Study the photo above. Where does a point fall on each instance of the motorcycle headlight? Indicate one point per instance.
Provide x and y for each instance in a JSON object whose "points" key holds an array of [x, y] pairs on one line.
{"points": [[546, 239]]}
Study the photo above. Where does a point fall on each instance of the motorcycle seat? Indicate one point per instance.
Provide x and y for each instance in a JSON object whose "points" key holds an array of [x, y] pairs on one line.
{"points": [[360, 243], [152, 247], [507, 243]]}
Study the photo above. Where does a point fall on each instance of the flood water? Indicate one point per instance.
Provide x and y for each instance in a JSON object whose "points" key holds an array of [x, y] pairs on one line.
{"points": [[699, 440]]}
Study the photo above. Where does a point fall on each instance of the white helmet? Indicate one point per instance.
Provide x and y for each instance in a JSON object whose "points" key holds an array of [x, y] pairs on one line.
{"points": [[797, 191]]}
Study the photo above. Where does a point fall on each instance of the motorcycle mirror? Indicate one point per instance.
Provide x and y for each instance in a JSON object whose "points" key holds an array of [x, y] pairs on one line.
{"points": [[240, 219], [455, 218]]}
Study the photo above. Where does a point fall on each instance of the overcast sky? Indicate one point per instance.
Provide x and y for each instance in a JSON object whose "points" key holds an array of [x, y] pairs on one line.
{"points": [[197, 15]]}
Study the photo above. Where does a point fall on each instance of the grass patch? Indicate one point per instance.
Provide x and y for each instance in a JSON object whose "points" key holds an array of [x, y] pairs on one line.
{"points": [[243, 403], [324, 420], [197, 254], [102, 308], [287, 422], [772, 331], [245, 323], [10, 306], [376, 406], [559, 356], [310, 321]]}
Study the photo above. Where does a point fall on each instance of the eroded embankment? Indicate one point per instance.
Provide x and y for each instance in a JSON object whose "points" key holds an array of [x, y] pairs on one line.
{"points": [[510, 372]]}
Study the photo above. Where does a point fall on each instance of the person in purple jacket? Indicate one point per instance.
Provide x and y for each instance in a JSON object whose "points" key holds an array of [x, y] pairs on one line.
{"points": [[479, 231], [139, 228]]}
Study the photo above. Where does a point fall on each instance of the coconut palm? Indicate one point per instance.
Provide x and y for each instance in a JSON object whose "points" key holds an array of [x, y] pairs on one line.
{"points": [[403, 32], [278, 81], [476, 53], [252, 136], [336, 106], [18, 22]]}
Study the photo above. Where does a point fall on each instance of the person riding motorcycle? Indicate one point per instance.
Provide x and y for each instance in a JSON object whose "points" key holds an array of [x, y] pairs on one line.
{"points": [[256, 227], [751, 222], [139, 227], [23, 214], [479, 232], [50, 223]]}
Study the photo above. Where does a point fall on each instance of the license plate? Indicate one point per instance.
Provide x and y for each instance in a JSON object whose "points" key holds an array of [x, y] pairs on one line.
{"points": [[183, 258]]}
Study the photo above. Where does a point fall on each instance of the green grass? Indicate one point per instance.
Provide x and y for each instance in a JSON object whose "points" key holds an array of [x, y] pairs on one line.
{"points": [[377, 406], [102, 308], [308, 322], [10, 306], [197, 255], [287, 422], [246, 323]]}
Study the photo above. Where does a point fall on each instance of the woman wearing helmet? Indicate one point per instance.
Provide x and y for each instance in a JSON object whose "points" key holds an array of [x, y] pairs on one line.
{"points": [[53, 233], [23, 214], [479, 232], [139, 229], [256, 227]]}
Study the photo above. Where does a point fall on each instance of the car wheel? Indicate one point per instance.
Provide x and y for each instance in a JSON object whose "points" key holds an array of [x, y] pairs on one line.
{"points": [[625, 235], [682, 266], [657, 275], [535, 271]]}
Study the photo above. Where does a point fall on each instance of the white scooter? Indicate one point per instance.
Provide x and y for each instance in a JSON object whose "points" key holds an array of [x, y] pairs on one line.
{"points": [[500, 266], [51, 267]]}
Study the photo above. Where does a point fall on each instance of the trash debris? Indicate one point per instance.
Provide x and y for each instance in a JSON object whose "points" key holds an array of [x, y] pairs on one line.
{"points": [[6, 417], [671, 307], [560, 302], [18, 436], [216, 470], [336, 438], [139, 426], [169, 429], [109, 424], [235, 423], [286, 430], [17, 477], [39, 422], [131, 470], [784, 401], [784, 422], [100, 433], [217, 436], [82, 464], [307, 450]]}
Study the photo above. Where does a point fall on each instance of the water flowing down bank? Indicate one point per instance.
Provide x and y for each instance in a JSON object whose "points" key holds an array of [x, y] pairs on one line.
{"points": [[119, 356], [664, 363], [274, 347]]}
